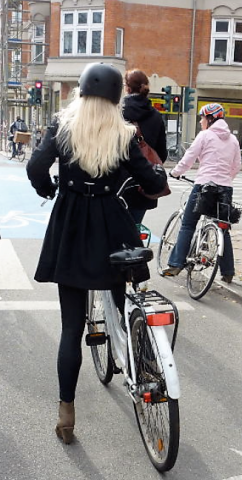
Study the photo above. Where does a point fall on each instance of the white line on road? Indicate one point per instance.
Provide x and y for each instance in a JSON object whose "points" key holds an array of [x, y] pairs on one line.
{"points": [[29, 305], [12, 274], [184, 306], [26, 305], [234, 478]]}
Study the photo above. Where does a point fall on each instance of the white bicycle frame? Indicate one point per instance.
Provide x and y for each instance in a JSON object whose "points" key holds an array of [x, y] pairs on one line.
{"points": [[121, 344]]}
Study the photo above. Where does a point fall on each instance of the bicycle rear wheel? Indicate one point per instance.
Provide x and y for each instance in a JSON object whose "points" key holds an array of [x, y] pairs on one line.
{"points": [[168, 240], [21, 154], [100, 353], [203, 265], [158, 420]]}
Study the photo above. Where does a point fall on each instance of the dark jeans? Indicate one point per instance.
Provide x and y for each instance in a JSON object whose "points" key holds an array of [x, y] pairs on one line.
{"points": [[73, 317], [189, 222], [16, 150]]}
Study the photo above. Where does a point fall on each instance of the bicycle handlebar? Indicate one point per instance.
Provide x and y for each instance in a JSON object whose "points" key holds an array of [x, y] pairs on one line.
{"points": [[189, 180]]}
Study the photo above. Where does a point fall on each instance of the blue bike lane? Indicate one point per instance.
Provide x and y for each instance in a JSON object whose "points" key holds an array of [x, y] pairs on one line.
{"points": [[21, 213]]}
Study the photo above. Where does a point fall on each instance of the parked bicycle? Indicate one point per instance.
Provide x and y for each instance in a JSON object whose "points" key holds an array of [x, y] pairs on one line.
{"points": [[136, 345], [176, 151], [207, 247]]}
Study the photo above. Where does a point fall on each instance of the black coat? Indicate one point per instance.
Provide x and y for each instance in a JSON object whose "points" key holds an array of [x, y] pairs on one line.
{"points": [[137, 108], [87, 223]]}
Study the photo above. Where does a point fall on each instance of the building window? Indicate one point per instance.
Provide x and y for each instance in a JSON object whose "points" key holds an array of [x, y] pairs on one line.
{"points": [[38, 38], [119, 42], [226, 41], [82, 32]]}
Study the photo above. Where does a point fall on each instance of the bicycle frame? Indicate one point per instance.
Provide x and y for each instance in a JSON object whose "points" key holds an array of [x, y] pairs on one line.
{"points": [[121, 343]]}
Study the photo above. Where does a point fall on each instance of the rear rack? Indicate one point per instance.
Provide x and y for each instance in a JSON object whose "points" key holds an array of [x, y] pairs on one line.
{"points": [[159, 304]]}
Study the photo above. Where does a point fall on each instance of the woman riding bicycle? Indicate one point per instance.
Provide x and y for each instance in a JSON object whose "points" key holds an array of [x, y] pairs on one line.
{"points": [[218, 152], [94, 145]]}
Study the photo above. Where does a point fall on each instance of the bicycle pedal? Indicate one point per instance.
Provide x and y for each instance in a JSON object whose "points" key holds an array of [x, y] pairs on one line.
{"points": [[95, 339]]}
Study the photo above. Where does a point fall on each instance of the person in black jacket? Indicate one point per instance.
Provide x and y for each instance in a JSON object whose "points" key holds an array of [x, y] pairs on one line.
{"points": [[137, 109], [88, 222]]}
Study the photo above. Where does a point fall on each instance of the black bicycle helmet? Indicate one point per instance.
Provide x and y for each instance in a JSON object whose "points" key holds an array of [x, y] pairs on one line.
{"points": [[101, 80]]}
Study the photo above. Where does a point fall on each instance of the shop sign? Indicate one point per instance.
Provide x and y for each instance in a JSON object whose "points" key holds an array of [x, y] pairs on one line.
{"points": [[232, 110]]}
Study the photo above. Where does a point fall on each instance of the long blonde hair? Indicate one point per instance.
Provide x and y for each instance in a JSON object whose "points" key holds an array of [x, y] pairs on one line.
{"points": [[95, 132]]}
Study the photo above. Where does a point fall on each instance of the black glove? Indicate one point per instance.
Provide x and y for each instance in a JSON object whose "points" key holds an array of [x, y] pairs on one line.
{"points": [[49, 192]]}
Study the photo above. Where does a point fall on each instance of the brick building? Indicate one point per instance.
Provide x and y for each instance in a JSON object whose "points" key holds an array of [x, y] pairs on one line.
{"points": [[195, 43]]}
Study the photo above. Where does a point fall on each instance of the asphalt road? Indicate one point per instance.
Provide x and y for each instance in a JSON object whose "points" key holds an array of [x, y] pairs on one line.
{"points": [[108, 445]]}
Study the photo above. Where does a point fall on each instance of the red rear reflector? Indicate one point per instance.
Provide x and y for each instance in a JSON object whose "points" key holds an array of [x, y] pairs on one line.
{"points": [[223, 225], [147, 397], [143, 236], [157, 319]]}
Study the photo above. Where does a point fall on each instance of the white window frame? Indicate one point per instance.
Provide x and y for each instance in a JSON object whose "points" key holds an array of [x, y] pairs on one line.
{"points": [[40, 40], [76, 27], [229, 36], [119, 42]]}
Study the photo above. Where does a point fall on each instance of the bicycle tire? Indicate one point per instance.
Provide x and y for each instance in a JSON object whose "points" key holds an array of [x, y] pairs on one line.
{"points": [[158, 423], [21, 155], [10, 151], [173, 153], [203, 266], [176, 152], [100, 353], [168, 240]]}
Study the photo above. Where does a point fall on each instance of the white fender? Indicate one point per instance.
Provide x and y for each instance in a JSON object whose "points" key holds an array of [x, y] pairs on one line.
{"points": [[167, 359]]}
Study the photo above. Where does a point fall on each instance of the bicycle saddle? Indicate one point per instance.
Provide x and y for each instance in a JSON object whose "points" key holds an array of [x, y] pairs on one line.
{"points": [[131, 256]]}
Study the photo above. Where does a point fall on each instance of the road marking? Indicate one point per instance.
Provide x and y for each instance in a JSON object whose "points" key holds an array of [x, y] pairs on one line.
{"points": [[184, 306], [29, 305], [12, 274], [236, 451], [234, 478]]}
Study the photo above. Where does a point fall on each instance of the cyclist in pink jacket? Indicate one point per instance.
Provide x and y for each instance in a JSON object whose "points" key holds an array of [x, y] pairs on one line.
{"points": [[218, 152]]}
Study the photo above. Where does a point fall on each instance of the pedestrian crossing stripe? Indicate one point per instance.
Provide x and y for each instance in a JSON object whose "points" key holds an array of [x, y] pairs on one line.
{"points": [[12, 269], [26, 305]]}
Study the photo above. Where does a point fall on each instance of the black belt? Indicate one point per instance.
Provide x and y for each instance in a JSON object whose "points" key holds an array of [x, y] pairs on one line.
{"points": [[89, 189]]}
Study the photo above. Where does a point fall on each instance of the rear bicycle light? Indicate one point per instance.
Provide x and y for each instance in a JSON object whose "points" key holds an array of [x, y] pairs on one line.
{"points": [[143, 236], [224, 225], [158, 319]]}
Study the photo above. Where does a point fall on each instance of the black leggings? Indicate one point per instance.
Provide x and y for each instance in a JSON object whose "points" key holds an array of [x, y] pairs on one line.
{"points": [[73, 316]]}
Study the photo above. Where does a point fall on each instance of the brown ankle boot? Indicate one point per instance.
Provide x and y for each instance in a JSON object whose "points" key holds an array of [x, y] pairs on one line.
{"points": [[65, 426]]}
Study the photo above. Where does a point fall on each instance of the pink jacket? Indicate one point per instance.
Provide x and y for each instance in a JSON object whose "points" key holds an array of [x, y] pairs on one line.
{"points": [[218, 153]]}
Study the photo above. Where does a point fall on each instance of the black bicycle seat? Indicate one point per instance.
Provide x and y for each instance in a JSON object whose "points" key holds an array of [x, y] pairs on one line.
{"points": [[131, 256]]}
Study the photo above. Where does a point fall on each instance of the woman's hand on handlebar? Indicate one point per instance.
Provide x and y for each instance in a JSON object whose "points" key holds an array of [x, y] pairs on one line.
{"points": [[174, 176]]}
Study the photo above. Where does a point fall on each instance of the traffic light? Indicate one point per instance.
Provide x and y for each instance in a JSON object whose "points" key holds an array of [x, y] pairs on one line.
{"points": [[176, 104], [31, 95], [188, 99], [38, 93], [167, 97]]}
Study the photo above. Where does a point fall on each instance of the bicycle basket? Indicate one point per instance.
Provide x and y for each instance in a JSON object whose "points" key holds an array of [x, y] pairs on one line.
{"points": [[235, 213], [206, 200]]}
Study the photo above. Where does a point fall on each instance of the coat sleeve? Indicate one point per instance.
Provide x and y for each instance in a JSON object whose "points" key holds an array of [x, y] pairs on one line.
{"points": [[40, 162], [151, 181], [161, 143], [192, 153], [237, 161]]}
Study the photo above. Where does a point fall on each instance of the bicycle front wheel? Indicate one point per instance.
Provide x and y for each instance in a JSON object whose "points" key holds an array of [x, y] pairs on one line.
{"points": [[203, 262], [168, 240], [158, 420], [97, 323], [10, 150]]}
